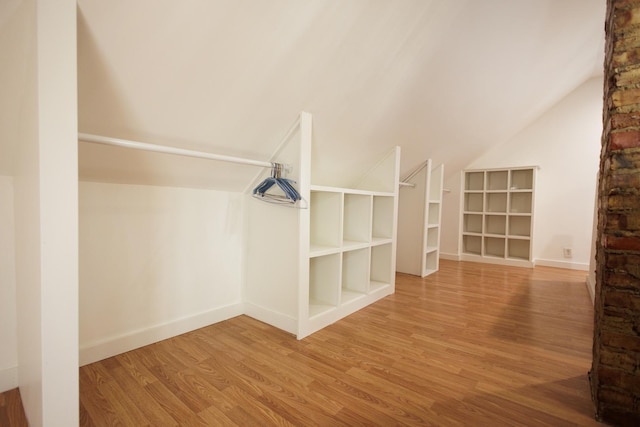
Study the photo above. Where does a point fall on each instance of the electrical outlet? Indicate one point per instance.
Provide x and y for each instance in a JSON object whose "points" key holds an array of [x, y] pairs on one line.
{"points": [[568, 252]]}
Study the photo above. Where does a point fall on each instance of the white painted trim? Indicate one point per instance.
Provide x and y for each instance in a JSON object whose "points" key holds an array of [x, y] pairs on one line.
{"points": [[591, 287], [450, 256], [563, 264], [8, 379], [273, 318], [95, 351]]}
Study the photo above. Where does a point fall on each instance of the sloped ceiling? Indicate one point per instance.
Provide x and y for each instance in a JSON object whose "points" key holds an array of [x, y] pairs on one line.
{"points": [[444, 79]]}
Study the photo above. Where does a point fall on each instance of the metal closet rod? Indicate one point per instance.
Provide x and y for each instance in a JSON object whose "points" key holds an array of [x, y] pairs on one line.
{"points": [[170, 150]]}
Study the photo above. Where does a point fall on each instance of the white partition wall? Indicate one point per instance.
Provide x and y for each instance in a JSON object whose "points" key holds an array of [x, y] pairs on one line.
{"points": [[420, 208], [45, 209]]}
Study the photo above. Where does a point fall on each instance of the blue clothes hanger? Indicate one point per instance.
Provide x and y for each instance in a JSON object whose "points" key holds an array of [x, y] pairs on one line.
{"points": [[289, 194]]}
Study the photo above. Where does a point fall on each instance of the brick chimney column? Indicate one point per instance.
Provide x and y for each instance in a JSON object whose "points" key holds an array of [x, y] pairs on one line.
{"points": [[615, 373]]}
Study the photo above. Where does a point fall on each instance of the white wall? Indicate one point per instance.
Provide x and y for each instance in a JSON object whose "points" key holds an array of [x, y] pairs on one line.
{"points": [[565, 143], [155, 262], [8, 332]]}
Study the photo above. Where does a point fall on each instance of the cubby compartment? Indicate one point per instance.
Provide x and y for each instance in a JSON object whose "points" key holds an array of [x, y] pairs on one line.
{"points": [[473, 202], [520, 202], [324, 280], [357, 219], [497, 180], [431, 262], [472, 245], [380, 269], [326, 220], [495, 224], [520, 226], [432, 239], [496, 202], [519, 249], [434, 214], [522, 179], [355, 274], [494, 246], [383, 213], [472, 223], [474, 181]]}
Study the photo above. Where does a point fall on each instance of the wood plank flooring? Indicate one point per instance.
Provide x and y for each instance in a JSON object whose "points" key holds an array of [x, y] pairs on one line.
{"points": [[471, 345], [11, 412]]}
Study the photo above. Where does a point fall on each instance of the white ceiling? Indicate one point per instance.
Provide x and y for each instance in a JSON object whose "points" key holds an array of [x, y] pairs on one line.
{"points": [[444, 79]]}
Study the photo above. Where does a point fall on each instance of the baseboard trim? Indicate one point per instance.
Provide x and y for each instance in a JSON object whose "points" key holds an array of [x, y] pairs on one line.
{"points": [[270, 317], [8, 379], [95, 351], [450, 256], [562, 264]]}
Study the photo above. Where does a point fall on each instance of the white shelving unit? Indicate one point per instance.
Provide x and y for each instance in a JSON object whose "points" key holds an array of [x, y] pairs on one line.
{"points": [[419, 211], [308, 268], [497, 216]]}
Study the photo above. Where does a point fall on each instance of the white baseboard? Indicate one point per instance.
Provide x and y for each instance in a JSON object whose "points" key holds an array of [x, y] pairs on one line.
{"points": [[591, 286], [270, 317], [94, 351], [8, 379], [562, 264], [450, 256]]}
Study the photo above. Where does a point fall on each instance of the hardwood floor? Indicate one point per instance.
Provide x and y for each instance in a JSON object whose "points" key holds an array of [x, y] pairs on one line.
{"points": [[472, 345], [11, 413]]}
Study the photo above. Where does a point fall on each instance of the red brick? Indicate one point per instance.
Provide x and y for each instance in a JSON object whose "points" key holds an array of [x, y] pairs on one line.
{"points": [[622, 243], [626, 139]]}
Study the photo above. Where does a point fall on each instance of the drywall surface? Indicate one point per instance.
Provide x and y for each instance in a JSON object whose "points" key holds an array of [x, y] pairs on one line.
{"points": [[565, 143], [155, 262], [8, 333]]}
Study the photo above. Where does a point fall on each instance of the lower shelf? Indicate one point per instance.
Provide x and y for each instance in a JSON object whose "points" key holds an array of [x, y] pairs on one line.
{"points": [[322, 314], [317, 308], [348, 296]]}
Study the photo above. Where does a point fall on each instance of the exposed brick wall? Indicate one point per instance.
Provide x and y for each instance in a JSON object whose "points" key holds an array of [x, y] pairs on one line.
{"points": [[615, 374]]}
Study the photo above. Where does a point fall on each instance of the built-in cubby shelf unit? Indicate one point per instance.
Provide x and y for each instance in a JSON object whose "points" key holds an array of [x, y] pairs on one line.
{"points": [[351, 247], [307, 268], [497, 215], [419, 211]]}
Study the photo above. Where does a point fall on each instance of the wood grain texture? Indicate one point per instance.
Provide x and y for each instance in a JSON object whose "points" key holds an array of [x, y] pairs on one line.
{"points": [[473, 344], [11, 412]]}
